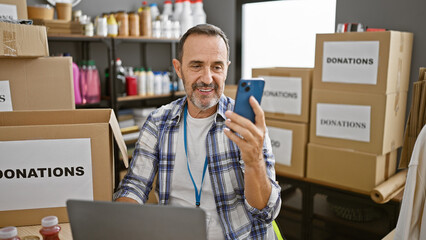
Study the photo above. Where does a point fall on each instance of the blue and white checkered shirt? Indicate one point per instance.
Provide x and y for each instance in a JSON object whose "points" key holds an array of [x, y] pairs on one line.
{"points": [[155, 152]]}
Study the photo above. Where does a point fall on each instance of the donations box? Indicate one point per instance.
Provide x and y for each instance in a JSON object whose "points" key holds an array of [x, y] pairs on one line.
{"points": [[288, 141], [368, 62], [48, 157], [286, 95]]}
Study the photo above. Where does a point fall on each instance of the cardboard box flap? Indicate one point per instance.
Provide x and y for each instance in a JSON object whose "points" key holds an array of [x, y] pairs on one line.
{"points": [[119, 138], [81, 116]]}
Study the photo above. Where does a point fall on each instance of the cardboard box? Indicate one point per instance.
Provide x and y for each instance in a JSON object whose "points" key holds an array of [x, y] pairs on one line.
{"points": [[369, 62], [371, 123], [287, 92], [230, 91], [18, 40], [11, 6], [348, 169], [289, 146], [36, 84], [75, 145]]}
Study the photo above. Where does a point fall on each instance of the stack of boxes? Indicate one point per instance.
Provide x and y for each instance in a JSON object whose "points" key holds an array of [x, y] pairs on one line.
{"points": [[286, 101], [50, 152], [358, 107]]}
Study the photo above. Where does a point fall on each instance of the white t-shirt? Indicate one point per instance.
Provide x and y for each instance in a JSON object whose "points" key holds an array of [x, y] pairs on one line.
{"points": [[182, 192]]}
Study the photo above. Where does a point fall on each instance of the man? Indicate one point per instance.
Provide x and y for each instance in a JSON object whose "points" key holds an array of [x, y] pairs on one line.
{"points": [[200, 162]]}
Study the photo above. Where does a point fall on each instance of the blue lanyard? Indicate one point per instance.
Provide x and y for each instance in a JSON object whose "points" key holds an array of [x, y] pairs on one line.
{"points": [[197, 194]]}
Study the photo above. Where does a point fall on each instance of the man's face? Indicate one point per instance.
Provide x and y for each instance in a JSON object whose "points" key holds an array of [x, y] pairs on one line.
{"points": [[203, 70]]}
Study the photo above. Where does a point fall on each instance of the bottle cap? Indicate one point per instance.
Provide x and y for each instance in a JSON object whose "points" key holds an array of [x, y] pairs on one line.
{"points": [[49, 221], [8, 232]]}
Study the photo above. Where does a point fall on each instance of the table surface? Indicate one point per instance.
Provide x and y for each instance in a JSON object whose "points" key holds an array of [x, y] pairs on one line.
{"points": [[64, 234]]}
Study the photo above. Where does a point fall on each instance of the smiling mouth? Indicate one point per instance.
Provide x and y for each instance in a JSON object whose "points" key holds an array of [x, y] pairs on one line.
{"points": [[206, 90]]}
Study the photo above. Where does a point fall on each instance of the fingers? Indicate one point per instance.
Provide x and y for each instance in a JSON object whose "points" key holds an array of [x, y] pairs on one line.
{"points": [[258, 112], [244, 127]]}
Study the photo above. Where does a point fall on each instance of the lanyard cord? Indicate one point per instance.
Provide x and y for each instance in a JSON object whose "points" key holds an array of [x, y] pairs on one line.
{"points": [[197, 194]]}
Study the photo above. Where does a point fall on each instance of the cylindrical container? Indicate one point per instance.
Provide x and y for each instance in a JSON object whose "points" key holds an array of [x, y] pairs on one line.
{"points": [[64, 11], [131, 86], [154, 11], [142, 82], [88, 29], [9, 233], [149, 82], [134, 24], [50, 228], [123, 23], [166, 29], [40, 11], [175, 29], [145, 19], [158, 83], [156, 29], [102, 27]]}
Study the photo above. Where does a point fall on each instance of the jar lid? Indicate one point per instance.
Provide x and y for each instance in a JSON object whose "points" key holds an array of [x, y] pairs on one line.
{"points": [[49, 221], [8, 232]]}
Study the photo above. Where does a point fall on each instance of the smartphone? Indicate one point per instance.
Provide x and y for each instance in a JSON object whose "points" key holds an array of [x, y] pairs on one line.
{"points": [[246, 89]]}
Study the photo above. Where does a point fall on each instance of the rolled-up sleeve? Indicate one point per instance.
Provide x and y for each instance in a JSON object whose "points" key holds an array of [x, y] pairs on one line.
{"points": [[137, 183], [272, 209]]}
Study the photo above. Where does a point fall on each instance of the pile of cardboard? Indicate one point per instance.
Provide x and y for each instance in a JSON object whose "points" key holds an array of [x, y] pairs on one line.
{"points": [[358, 108], [416, 119], [50, 152], [286, 103]]}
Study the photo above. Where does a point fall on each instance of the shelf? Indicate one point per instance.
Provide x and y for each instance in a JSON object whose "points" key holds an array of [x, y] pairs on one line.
{"points": [[73, 37], [141, 97], [146, 39]]}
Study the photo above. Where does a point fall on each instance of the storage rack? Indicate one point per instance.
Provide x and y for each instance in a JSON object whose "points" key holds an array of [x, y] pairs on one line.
{"points": [[306, 213], [112, 44]]}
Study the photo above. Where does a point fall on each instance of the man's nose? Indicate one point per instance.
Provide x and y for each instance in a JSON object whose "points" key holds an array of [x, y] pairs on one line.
{"points": [[207, 76]]}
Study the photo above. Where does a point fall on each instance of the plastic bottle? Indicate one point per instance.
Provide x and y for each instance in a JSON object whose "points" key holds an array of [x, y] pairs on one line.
{"points": [[145, 21], [158, 83], [186, 19], [76, 80], [112, 26], [142, 82], [9, 233], [50, 228], [123, 23], [167, 86], [176, 29], [166, 29], [199, 14], [167, 9], [156, 29], [134, 28], [94, 83], [83, 82], [102, 27], [178, 10], [155, 12], [120, 82], [149, 82], [131, 86]]}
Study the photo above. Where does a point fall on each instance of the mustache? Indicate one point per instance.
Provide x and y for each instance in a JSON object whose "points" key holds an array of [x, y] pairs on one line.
{"points": [[201, 85]]}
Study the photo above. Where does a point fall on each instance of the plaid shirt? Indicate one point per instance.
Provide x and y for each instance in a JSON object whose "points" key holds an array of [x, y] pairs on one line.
{"points": [[155, 152]]}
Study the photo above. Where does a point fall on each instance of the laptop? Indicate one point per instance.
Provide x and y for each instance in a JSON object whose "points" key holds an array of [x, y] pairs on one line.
{"points": [[116, 220]]}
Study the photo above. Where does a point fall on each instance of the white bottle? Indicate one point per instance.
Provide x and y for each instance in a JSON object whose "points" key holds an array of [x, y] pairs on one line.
{"points": [[149, 82], [154, 11], [158, 83], [178, 10], [142, 82], [175, 29], [167, 9], [199, 15], [166, 83], [186, 20], [101, 27]]}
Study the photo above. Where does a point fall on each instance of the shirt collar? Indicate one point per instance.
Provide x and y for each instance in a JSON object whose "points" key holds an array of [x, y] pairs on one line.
{"points": [[223, 106]]}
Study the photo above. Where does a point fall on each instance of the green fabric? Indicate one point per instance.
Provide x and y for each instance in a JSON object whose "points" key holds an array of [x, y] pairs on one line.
{"points": [[277, 230]]}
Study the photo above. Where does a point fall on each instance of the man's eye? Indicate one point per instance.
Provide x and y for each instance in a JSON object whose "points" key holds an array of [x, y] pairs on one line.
{"points": [[218, 68], [195, 66]]}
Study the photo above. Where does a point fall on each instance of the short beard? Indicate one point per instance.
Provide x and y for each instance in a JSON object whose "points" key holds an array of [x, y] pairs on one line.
{"points": [[197, 102]]}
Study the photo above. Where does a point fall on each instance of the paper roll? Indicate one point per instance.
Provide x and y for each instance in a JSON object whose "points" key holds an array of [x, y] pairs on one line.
{"points": [[389, 188]]}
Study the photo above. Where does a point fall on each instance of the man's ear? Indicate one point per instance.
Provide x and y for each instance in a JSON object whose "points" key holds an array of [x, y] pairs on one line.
{"points": [[178, 67]]}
